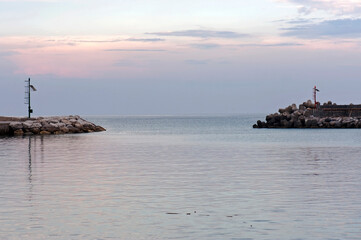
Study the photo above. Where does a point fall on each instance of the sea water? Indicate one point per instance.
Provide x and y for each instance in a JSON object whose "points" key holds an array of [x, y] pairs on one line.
{"points": [[182, 178]]}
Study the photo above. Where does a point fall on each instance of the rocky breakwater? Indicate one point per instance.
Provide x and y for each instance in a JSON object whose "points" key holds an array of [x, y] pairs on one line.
{"points": [[306, 116], [46, 126]]}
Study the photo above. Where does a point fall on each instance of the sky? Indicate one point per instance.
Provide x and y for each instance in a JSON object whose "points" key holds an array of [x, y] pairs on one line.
{"points": [[165, 57]]}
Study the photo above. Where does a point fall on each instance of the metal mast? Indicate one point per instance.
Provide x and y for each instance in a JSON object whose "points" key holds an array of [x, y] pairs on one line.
{"points": [[28, 89], [315, 90]]}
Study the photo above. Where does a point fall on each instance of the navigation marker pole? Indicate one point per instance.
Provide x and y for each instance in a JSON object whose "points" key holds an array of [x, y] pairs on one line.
{"points": [[315, 90], [28, 89]]}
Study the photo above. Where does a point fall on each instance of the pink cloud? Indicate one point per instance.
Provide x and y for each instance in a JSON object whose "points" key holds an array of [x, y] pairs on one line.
{"points": [[102, 57], [86, 57]]}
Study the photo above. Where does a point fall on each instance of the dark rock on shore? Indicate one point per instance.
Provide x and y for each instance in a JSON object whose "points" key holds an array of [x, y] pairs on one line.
{"points": [[46, 125], [307, 115]]}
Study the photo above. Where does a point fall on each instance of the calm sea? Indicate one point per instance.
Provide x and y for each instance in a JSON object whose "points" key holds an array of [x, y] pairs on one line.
{"points": [[182, 178]]}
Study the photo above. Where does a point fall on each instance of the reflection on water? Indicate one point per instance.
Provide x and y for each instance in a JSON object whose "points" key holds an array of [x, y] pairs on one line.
{"points": [[179, 186], [30, 171]]}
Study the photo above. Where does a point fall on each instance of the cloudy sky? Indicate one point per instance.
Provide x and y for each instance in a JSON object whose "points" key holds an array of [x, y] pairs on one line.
{"points": [[165, 57]]}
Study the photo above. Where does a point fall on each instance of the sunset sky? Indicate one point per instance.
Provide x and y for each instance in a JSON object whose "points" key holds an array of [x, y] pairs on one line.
{"points": [[138, 57]]}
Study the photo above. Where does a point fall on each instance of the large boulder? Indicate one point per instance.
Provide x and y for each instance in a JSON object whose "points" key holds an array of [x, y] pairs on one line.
{"points": [[49, 127], [35, 130], [302, 107], [309, 104], [297, 124], [65, 121], [16, 125], [99, 129], [311, 123], [336, 124], [73, 129], [36, 125], [308, 112], [277, 118], [64, 129], [289, 109], [27, 124], [18, 132]]}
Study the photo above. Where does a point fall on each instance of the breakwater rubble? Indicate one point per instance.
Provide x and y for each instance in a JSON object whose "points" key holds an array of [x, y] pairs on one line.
{"points": [[311, 115], [11, 126]]}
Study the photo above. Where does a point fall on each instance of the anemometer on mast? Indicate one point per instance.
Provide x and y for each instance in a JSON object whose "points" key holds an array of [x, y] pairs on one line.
{"points": [[28, 89]]}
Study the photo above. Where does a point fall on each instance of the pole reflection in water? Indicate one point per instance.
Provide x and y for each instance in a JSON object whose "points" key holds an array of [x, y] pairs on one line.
{"points": [[30, 174], [29, 162], [32, 150]]}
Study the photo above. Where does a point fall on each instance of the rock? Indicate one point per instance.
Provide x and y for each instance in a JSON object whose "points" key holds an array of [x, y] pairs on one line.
{"points": [[78, 125], [311, 123], [65, 121], [99, 129], [49, 127], [302, 107], [44, 133], [288, 117], [16, 125], [64, 129], [286, 124], [27, 124], [277, 118], [259, 123], [302, 120], [289, 109], [73, 129], [270, 119], [309, 104], [351, 125], [35, 130], [18, 132], [72, 120], [297, 124], [61, 125], [308, 112], [336, 124], [36, 125], [55, 125]]}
